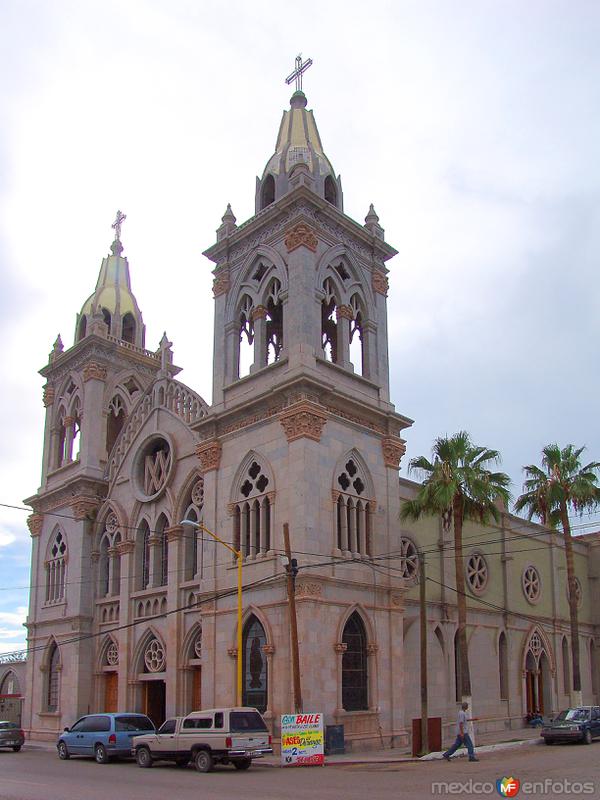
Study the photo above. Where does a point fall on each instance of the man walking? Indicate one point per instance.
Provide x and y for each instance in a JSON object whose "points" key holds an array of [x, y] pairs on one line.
{"points": [[462, 736]]}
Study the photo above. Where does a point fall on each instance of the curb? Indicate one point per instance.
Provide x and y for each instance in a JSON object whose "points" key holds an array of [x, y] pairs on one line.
{"points": [[486, 748]]}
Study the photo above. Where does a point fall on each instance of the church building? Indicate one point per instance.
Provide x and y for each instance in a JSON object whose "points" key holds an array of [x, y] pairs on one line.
{"points": [[132, 610]]}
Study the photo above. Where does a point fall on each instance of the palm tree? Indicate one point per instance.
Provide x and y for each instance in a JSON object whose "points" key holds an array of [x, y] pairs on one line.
{"points": [[549, 493], [458, 484]]}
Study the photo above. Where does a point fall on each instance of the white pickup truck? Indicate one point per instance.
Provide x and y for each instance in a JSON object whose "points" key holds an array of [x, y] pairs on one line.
{"points": [[216, 736]]}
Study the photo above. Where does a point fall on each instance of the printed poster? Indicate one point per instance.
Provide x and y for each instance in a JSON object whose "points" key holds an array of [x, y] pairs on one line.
{"points": [[302, 741]]}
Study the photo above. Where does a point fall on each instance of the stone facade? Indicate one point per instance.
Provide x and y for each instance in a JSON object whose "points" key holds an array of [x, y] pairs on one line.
{"points": [[133, 610]]}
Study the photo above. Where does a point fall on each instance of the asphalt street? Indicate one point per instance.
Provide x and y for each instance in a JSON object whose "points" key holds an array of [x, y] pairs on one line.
{"points": [[40, 775]]}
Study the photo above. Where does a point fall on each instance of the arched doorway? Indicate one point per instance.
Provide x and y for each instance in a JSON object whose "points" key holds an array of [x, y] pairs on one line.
{"points": [[538, 676], [152, 677]]}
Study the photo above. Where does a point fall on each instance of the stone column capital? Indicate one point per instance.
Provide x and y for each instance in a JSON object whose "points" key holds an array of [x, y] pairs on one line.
{"points": [[209, 454], [94, 370], [303, 420], [393, 449], [49, 395], [34, 523]]}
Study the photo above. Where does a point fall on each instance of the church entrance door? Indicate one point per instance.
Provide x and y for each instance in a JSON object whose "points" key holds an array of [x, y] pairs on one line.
{"points": [[154, 701], [111, 692], [197, 689]]}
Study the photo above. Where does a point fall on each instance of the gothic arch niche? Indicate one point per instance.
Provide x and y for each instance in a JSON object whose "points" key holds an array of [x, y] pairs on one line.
{"points": [[329, 321], [354, 503], [255, 672], [252, 504], [357, 354], [82, 328], [538, 668], [55, 567], [274, 340], [331, 191]]}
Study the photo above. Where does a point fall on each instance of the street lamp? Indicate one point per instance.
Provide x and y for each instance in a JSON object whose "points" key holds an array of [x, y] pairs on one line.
{"points": [[238, 554]]}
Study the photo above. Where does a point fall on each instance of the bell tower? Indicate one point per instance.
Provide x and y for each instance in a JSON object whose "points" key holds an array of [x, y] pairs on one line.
{"points": [[301, 429]]}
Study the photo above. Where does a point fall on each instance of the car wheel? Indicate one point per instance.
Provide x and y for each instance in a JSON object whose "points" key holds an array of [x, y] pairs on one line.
{"points": [[143, 757], [204, 761], [242, 763], [63, 753], [182, 762], [17, 747], [587, 736], [100, 754]]}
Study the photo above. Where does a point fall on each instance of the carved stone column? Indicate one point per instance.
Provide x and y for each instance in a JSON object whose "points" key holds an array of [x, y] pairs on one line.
{"points": [[259, 321], [340, 648], [344, 317]]}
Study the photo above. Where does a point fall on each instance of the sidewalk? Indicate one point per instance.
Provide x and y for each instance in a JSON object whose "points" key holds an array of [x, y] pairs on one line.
{"points": [[484, 743]]}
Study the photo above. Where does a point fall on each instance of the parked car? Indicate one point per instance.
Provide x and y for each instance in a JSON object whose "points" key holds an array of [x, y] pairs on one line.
{"points": [[11, 735], [103, 736], [581, 724], [215, 736]]}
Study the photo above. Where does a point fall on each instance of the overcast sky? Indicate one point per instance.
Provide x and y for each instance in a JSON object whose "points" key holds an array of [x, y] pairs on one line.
{"points": [[472, 126]]}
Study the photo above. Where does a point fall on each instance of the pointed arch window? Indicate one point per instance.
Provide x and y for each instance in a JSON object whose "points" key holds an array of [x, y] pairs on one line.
{"points": [[356, 335], [109, 565], [253, 513], [566, 666], [193, 549], [117, 416], [254, 665], [10, 684], [142, 560], [353, 509], [267, 195], [330, 191], [329, 322], [503, 666], [163, 551], [82, 330], [246, 336], [354, 665], [274, 323], [56, 568], [128, 328], [53, 675]]}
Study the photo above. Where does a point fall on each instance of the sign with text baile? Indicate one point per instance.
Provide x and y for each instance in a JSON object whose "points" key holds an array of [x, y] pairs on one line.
{"points": [[302, 740]]}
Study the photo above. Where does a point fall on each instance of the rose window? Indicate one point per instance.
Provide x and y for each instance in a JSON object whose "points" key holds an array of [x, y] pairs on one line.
{"points": [[535, 644], [531, 584], [477, 573], [409, 558], [154, 656], [350, 478], [111, 523], [112, 655], [59, 547], [198, 493], [152, 468]]}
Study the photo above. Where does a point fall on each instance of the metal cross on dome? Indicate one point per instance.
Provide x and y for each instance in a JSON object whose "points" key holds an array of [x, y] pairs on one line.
{"points": [[296, 75], [117, 224]]}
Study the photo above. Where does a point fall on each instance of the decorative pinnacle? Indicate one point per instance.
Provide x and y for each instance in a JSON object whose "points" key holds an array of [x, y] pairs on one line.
{"points": [[372, 215], [228, 217]]}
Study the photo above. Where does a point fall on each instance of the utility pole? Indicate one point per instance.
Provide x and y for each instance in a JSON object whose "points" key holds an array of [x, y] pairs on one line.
{"points": [[292, 570], [423, 620]]}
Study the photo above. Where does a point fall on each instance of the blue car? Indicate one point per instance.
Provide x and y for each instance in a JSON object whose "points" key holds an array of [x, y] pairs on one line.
{"points": [[103, 736]]}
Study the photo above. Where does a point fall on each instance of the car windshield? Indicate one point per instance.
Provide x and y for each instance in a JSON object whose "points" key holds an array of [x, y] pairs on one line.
{"points": [[132, 723], [7, 725], [574, 714], [246, 721]]}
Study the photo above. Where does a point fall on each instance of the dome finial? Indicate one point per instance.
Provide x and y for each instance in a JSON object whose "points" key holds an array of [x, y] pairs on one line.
{"points": [[116, 247], [296, 75]]}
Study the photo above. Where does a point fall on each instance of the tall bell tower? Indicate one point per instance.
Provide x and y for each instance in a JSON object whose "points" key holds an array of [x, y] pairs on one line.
{"points": [[302, 430]]}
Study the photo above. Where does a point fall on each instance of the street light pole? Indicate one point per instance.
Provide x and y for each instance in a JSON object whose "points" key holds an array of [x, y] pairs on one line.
{"points": [[238, 555]]}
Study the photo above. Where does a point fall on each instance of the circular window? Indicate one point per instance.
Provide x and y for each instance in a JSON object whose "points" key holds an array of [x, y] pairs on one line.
{"points": [[409, 558], [154, 657], [578, 592], [198, 645], [152, 468], [531, 583], [477, 573], [198, 493]]}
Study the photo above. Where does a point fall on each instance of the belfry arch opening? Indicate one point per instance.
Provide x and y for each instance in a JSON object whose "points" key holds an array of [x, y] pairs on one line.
{"points": [[128, 328], [267, 192], [330, 191], [82, 329]]}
